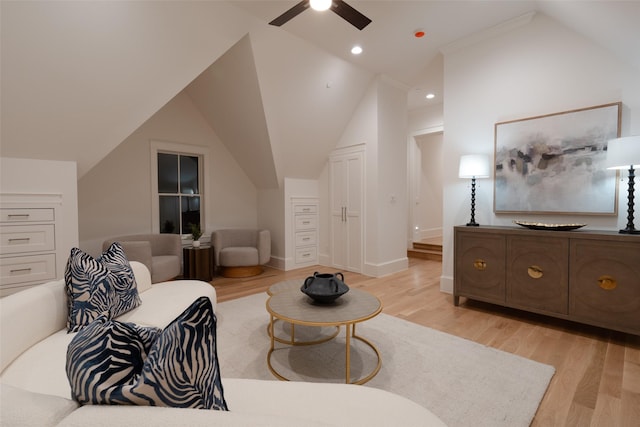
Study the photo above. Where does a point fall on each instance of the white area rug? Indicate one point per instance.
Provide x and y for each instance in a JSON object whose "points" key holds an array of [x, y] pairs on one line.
{"points": [[464, 383]]}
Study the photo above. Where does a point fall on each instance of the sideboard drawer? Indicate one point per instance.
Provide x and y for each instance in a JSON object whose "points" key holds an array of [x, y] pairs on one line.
{"points": [[480, 266], [604, 283], [537, 273], [16, 239], [26, 214], [24, 269]]}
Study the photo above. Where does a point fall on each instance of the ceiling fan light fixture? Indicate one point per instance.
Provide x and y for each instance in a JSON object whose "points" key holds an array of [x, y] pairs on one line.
{"points": [[320, 5]]}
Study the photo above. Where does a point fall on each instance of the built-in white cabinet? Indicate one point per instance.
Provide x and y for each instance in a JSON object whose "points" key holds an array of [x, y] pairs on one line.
{"points": [[38, 221], [305, 231], [346, 185], [27, 241]]}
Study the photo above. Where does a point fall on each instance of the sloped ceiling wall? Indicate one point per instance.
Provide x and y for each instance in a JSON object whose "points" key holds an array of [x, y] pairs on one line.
{"points": [[77, 78], [279, 104], [228, 96]]}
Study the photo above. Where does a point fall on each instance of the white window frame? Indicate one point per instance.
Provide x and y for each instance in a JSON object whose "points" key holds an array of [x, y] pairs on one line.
{"points": [[182, 149]]}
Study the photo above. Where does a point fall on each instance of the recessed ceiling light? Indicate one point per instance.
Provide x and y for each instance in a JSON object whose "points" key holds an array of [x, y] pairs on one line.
{"points": [[356, 50], [430, 96]]}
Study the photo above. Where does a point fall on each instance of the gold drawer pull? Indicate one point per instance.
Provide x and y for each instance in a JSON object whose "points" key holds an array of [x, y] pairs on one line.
{"points": [[534, 272], [480, 264], [607, 283], [20, 270]]}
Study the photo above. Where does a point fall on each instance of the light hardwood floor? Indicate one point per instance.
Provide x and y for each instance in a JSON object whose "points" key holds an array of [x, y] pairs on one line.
{"points": [[597, 380]]}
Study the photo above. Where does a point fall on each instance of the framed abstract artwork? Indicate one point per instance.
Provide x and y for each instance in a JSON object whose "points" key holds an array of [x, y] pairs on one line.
{"points": [[554, 164]]}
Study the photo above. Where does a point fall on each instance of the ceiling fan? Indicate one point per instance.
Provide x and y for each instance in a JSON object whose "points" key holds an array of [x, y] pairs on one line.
{"points": [[340, 7]]}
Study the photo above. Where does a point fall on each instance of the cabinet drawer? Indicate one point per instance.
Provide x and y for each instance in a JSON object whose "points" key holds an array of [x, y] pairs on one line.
{"points": [[306, 238], [604, 283], [31, 268], [537, 273], [305, 209], [26, 215], [306, 255], [480, 266], [16, 239], [306, 222]]}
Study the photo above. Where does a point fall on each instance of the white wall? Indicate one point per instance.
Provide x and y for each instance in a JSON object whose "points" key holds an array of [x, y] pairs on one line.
{"points": [[114, 198], [392, 214], [271, 216], [536, 69], [379, 122]]}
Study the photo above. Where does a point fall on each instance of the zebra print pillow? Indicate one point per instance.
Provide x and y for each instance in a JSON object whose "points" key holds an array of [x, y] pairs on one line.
{"points": [[180, 368], [104, 355], [95, 286]]}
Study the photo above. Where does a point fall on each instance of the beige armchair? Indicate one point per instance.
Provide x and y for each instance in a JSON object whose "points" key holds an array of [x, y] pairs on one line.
{"points": [[241, 252], [161, 253]]}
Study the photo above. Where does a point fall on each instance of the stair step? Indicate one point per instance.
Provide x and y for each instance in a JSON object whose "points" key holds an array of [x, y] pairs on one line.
{"points": [[427, 246], [433, 255]]}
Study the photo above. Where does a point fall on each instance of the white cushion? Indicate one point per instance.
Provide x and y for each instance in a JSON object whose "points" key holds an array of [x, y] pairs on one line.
{"points": [[109, 416], [143, 276], [334, 404], [30, 316], [167, 300], [23, 408], [41, 369]]}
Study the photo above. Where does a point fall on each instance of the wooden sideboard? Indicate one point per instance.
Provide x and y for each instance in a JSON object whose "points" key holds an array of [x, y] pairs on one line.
{"points": [[591, 277]]}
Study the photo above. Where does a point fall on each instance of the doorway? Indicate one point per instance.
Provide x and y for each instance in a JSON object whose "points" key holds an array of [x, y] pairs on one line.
{"points": [[425, 212]]}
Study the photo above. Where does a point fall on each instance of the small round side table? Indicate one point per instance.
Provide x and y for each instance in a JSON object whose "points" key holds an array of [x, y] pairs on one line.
{"points": [[198, 263]]}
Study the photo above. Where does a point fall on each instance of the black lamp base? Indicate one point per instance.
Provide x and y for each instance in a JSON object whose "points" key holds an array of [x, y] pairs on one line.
{"points": [[473, 222], [630, 229], [626, 231]]}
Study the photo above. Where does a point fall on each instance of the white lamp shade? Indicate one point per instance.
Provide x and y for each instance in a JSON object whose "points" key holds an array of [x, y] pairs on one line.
{"points": [[474, 166], [623, 152], [320, 5]]}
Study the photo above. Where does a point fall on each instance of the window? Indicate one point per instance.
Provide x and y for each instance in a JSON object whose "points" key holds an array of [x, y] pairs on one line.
{"points": [[179, 174], [179, 197]]}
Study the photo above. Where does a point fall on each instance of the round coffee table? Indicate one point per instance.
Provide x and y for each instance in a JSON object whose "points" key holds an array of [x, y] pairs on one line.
{"points": [[296, 308]]}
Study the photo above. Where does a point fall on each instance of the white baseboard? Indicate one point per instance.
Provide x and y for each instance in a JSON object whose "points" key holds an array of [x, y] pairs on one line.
{"points": [[446, 284], [386, 268], [277, 263]]}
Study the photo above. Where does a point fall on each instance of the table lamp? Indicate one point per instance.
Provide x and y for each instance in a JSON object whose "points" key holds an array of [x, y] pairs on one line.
{"points": [[624, 153], [474, 166]]}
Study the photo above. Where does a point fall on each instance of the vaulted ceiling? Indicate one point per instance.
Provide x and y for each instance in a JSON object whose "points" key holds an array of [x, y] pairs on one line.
{"points": [[77, 78]]}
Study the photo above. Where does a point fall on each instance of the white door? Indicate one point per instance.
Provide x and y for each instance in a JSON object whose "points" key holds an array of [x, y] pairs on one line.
{"points": [[346, 195]]}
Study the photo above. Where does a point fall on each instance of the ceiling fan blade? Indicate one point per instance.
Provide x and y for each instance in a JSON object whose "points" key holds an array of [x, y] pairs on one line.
{"points": [[351, 15], [291, 13]]}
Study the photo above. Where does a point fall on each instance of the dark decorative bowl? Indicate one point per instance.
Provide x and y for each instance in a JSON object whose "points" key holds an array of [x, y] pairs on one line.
{"points": [[324, 288], [554, 227]]}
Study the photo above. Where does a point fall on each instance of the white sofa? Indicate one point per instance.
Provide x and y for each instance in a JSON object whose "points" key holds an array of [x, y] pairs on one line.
{"points": [[34, 390]]}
